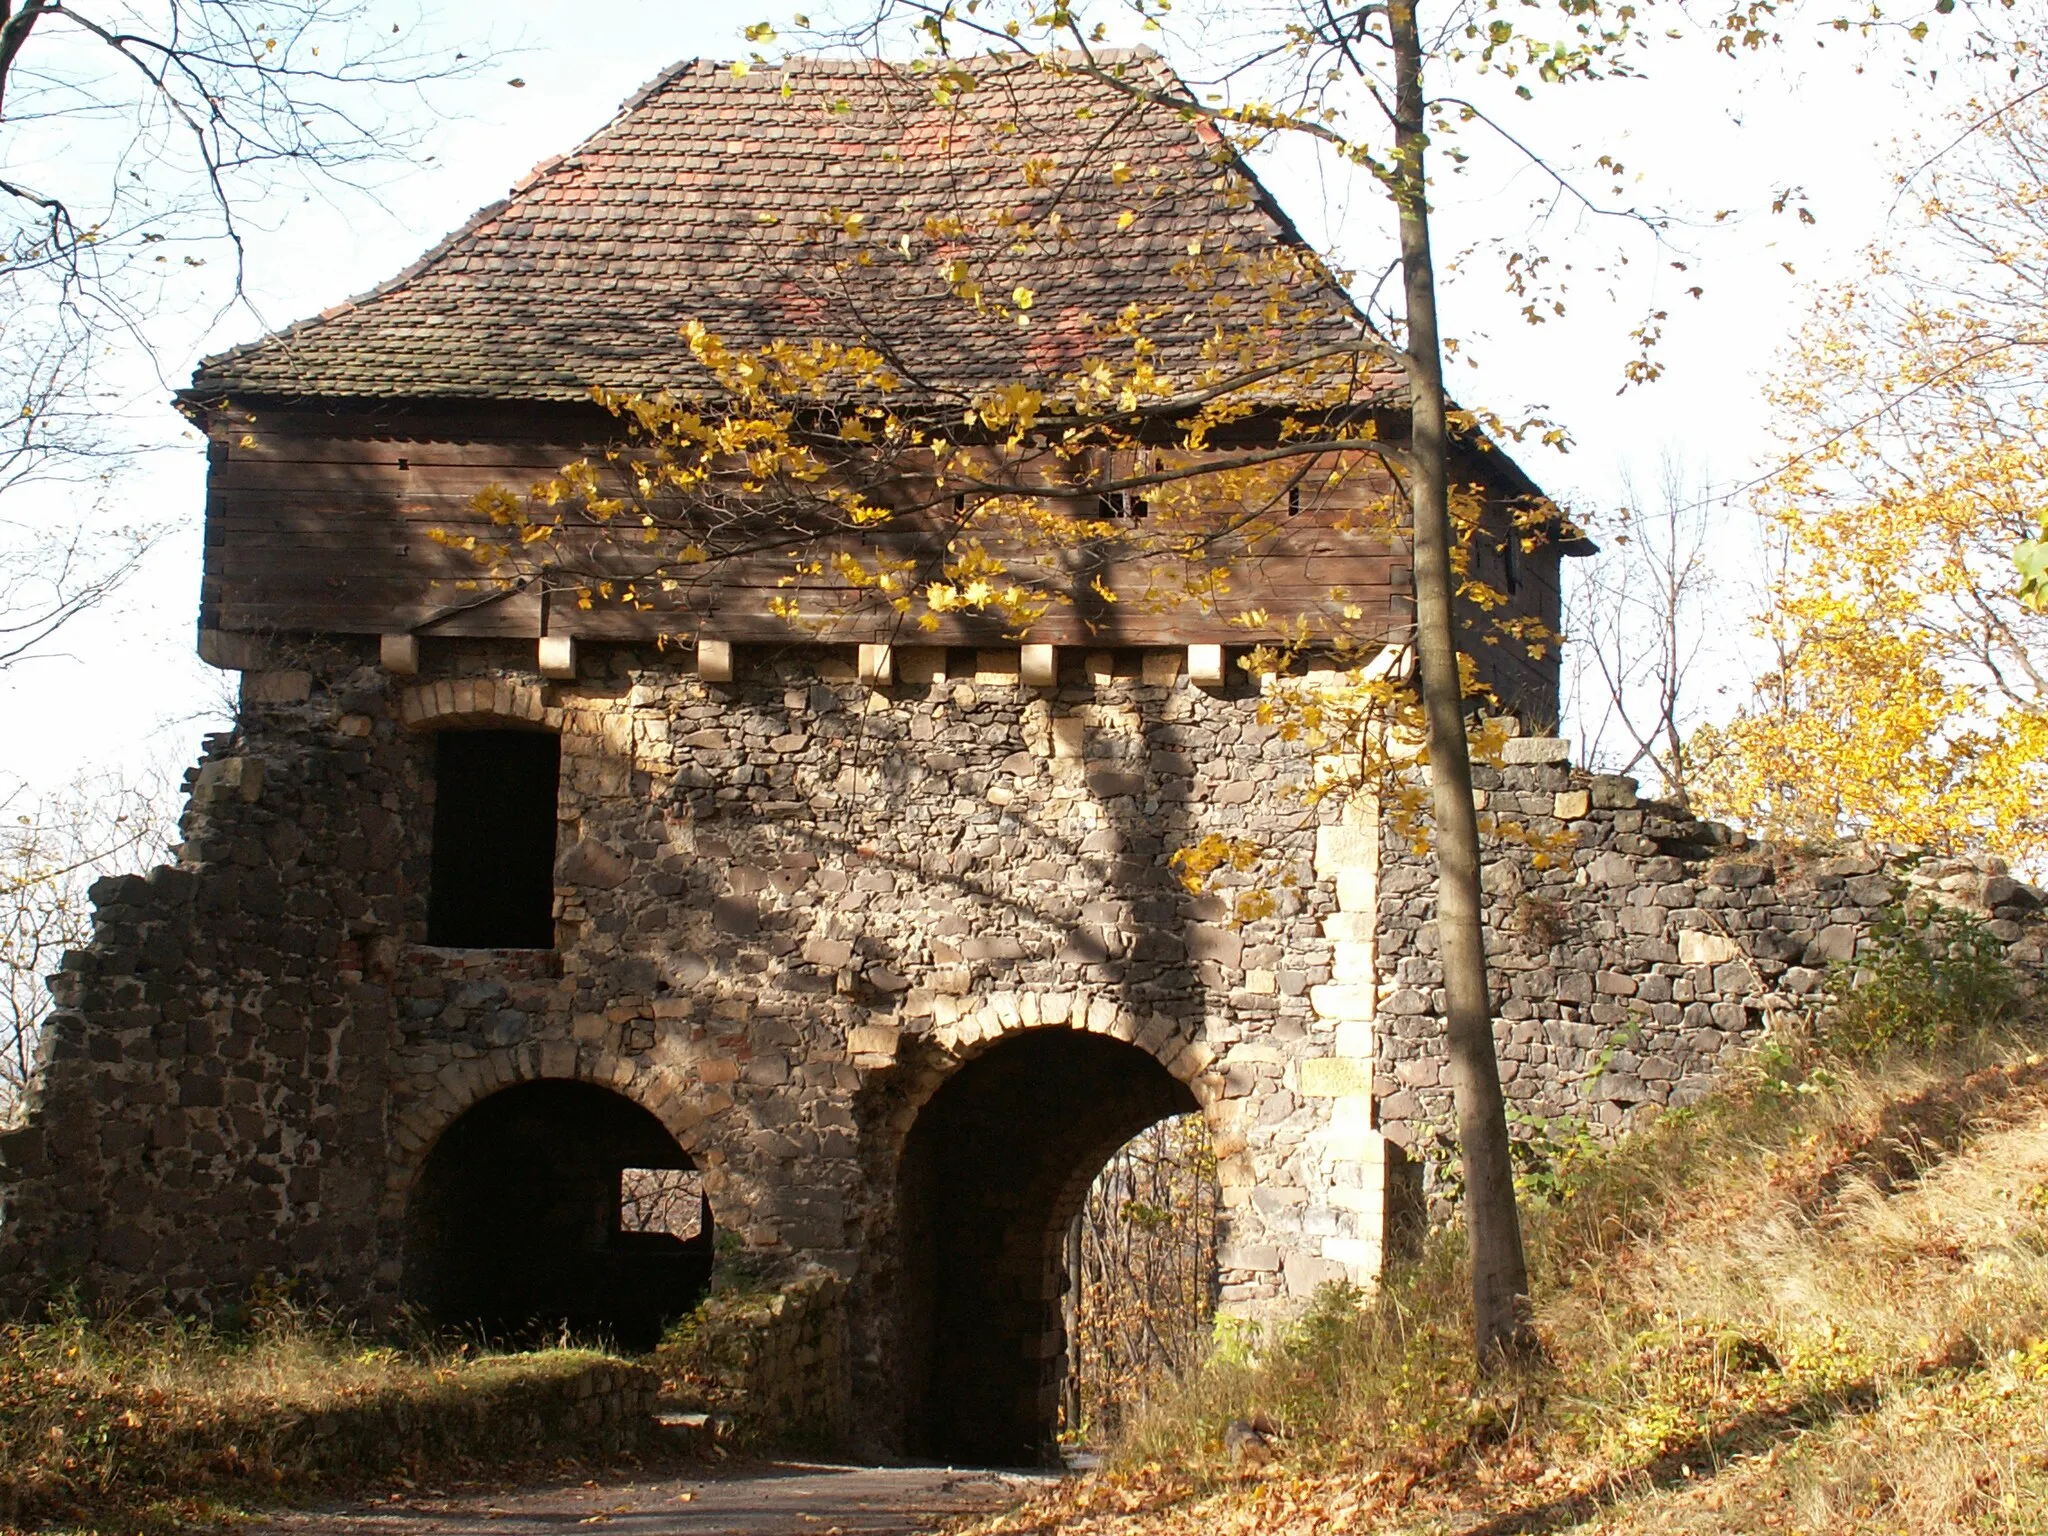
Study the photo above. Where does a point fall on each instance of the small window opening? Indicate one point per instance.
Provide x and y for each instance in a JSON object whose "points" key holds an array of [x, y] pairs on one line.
{"points": [[1120, 506], [667, 1201], [1511, 561], [1294, 501], [492, 884]]}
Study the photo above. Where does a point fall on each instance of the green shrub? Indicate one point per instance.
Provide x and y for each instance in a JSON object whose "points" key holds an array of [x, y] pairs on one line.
{"points": [[1934, 977]]}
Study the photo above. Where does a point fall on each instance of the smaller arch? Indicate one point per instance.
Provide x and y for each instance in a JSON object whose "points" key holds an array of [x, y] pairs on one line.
{"points": [[518, 1223], [670, 1099]]}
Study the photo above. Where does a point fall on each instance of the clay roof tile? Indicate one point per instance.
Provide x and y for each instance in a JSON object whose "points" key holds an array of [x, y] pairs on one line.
{"points": [[709, 193]]}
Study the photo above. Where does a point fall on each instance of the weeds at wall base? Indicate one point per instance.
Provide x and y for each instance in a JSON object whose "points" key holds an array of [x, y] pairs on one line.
{"points": [[1817, 1301], [121, 1426]]}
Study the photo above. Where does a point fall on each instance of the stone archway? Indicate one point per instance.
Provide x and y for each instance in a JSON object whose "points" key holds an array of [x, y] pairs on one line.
{"points": [[993, 1170], [533, 1213]]}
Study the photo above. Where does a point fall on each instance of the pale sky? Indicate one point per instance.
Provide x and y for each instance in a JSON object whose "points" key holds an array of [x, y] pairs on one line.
{"points": [[124, 688]]}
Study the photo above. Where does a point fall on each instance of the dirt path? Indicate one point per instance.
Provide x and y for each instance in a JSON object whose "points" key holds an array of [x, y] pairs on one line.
{"points": [[761, 1499]]}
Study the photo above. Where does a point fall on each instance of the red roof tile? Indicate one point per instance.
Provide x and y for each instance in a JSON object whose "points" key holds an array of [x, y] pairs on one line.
{"points": [[726, 199]]}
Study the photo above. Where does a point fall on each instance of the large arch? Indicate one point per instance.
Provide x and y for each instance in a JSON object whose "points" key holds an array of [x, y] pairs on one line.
{"points": [[993, 1170], [515, 1225]]}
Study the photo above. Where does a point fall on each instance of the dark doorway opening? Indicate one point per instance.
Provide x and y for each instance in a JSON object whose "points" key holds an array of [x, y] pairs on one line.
{"points": [[994, 1170], [558, 1205], [493, 879]]}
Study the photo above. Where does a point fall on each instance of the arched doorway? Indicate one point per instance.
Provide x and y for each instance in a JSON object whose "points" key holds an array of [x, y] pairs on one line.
{"points": [[553, 1205], [994, 1169]]}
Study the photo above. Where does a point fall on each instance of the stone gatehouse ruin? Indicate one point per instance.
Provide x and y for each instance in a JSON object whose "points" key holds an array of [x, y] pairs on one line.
{"points": [[521, 956]]}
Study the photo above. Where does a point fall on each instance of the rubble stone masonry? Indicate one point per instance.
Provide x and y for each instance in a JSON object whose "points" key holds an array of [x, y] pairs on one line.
{"points": [[792, 906], [789, 907], [1637, 964]]}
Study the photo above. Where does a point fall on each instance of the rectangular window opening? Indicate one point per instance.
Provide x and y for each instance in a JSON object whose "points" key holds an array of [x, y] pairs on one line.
{"points": [[1119, 506], [665, 1200], [492, 884]]}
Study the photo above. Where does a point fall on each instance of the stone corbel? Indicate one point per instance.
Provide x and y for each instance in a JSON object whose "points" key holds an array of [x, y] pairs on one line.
{"points": [[714, 660], [1038, 666], [558, 657], [399, 654]]}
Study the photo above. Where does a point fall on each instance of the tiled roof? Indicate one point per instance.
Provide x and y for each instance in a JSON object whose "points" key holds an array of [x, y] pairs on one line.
{"points": [[775, 204]]}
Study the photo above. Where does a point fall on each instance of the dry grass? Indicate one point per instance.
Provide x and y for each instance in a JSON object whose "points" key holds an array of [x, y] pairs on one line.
{"points": [[119, 1427], [1817, 1304]]}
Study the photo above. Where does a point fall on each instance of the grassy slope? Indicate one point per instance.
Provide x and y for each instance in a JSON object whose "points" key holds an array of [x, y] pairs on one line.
{"points": [[1804, 1308], [128, 1428]]}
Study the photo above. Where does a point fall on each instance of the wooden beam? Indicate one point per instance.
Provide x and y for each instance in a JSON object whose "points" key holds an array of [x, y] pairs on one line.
{"points": [[1205, 666]]}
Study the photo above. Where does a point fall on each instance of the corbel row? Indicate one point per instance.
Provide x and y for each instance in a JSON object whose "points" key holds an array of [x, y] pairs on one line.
{"points": [[879, 666]]}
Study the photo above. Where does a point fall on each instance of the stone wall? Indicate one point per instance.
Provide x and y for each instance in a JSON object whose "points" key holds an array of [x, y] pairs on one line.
{"points": [[796, 915], [790, 908], [775, 1359], [1651, 951], [212, 1091]]}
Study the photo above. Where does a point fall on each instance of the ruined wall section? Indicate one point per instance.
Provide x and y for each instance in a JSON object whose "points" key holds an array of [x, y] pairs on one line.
{"points": [[1646, 958], [214, 1072]]}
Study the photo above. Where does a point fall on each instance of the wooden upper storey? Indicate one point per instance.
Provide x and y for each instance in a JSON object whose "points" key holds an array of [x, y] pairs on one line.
{"points": [[351, 522], [312, 527], [1013, 225]]}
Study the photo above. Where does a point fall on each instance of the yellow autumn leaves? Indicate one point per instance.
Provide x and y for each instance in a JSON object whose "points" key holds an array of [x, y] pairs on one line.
{"points": [[1908, 699]]}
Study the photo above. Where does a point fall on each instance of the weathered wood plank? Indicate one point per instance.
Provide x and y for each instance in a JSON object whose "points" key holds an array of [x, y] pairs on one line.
{"points": [[276, 448], [310, 531], [756, 629]]}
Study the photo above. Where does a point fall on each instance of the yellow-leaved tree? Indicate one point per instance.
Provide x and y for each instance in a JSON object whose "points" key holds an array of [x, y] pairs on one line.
{"points": [[1906, 696]]}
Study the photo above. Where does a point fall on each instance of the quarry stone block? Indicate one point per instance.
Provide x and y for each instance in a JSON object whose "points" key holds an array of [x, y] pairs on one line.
{"points": [[1329, 1077], [1531, 751]]}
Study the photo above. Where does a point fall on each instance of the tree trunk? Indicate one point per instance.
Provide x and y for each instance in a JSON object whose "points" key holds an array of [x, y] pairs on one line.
{"points": [[1500, 1281]]}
